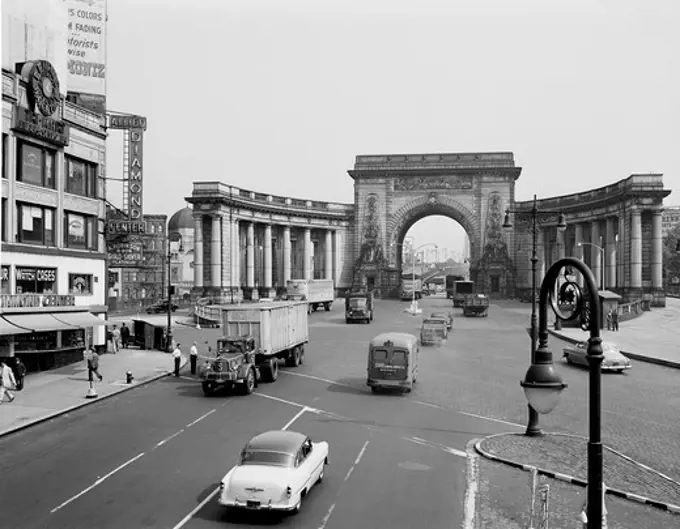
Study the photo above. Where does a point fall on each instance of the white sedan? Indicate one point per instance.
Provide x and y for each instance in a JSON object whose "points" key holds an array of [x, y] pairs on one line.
{"points": [[613, 360], [275, 472]]}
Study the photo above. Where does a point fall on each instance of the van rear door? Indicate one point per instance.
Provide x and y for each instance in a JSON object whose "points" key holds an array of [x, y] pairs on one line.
{"points": [[386, 365]]}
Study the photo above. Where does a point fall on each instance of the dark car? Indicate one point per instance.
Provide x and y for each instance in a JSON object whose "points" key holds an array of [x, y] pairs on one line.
{"points": [[161, 306], [446, 316]]}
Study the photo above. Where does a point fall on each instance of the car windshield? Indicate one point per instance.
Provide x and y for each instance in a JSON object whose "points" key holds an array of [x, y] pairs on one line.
{"points": [[379, 355], [357, 303], [257, 457], [431, 326]]}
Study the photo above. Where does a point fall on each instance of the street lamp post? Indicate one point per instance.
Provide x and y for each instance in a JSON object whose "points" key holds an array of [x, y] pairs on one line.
{"points": [[414, 303], [604, 263], [542, 386], [174, 237], [532, 427]]}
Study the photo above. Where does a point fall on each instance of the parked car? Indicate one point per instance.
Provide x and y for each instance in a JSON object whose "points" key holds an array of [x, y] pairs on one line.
{"points": [[275, 472], [446, 316], [161, 306], [614, 360]]}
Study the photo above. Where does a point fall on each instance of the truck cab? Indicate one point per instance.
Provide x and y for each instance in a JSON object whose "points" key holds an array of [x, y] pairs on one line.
{"points": [[233, 366], [359, 307]]}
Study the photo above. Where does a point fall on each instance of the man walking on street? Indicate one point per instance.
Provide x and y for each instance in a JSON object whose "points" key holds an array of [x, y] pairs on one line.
{"points": [[92, 364], [7, 382], [125, 335], [615, 320], [116, 339], [193, 357], [177, 355], [20, 370]]}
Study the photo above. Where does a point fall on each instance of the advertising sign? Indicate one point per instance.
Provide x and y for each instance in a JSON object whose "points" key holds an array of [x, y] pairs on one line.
{"points": [[125, 254], [22, 301], [86, 47], [33, 124], [135, 176], [117, 121], [124, 227]]}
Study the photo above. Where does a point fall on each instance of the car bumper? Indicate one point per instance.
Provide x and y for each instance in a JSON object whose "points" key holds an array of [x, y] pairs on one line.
{"points": [[260, 506], [389, 383], [615, 368]]}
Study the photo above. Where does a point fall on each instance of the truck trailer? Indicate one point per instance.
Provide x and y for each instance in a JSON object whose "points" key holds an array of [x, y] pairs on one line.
{"points": [[451, 284], [256, 337], [316, 292], [411, 287], [462, 289]]}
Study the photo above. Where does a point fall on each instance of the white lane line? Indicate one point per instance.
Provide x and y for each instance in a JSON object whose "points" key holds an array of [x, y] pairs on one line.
{"points": [[201, 418], [170, 437], [297, 416], [198, 507], [98, 482], [432, 444], [214, 493], [356, 461], [278, 399], [327, 517], [312, 377], [428, 404]]}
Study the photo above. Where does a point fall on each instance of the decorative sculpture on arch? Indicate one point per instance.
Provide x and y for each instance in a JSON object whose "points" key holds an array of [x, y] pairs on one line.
{"points": [[371, 255], [495, 258]]}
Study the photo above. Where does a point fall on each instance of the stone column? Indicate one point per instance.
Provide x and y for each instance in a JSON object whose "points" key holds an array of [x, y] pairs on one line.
{"points": [[215, 253], [250, 256], [286, 255], [657, 251], [540, 253], [328, 247], [610, 251], [578, 250], [337, 266], [635, 249], [235, 279], [268, 256], [198, 251], [560, 243], [307, 263], [621, 254], [595, 253]]}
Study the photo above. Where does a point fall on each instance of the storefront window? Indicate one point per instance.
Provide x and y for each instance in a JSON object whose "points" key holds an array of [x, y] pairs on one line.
{"points": [[36, 165], [73, 339], [80, 284], [37, 341], [35, 225], [4, 275], [81, 177], [80, 231], [36, 280]]}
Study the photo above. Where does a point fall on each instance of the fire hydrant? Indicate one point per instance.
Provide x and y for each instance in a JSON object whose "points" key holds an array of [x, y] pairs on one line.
{"points": [[128, 377]]}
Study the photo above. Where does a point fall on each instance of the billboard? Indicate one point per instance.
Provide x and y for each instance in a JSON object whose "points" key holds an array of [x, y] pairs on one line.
{"points": [[86, 48]]}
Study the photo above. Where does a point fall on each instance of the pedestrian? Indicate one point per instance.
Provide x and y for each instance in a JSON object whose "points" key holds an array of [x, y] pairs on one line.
{"points": [[19, 373], [609, 320], [193, 357], [209, 351], [177, 356], [92, 364], [7, 382], [615, 320], [115, 334], [125, 335]]}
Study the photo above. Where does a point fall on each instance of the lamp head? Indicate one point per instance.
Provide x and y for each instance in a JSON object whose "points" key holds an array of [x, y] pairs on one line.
{"points": [[507, 224], [542, 387], [561, 222]]}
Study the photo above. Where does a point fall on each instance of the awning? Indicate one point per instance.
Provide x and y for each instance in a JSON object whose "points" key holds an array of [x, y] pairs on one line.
{"points": [[38, 322], [79, 319], [6, 328]]}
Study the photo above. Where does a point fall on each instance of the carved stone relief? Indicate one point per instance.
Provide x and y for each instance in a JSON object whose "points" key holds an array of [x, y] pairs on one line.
{"points": [[411, 183]]}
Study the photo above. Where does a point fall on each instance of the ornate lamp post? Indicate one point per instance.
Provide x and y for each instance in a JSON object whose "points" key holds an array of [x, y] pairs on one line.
{"points": [[532, 428], [542, 386]]}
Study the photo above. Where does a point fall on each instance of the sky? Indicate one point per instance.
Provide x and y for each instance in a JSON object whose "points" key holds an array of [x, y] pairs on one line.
{"points": [[279, 97]]}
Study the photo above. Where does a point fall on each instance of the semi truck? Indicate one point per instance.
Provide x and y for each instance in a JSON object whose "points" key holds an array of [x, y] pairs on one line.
{"points": [[359, 306], [411, 286], [316, 292], [461, 290], [476, 305], [451, 284], [256, 337]]}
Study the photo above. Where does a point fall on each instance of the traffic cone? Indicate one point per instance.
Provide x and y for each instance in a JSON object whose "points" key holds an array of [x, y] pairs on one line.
{"points": [[92, 392]]}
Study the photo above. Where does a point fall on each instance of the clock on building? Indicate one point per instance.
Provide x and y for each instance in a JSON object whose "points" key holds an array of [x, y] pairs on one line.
{"points": [[43, 88]]}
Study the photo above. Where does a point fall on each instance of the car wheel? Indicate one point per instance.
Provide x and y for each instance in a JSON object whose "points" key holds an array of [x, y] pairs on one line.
{"points": [[208, 389], [320, 479], [568, 359], [298, 506], [374, 389]]}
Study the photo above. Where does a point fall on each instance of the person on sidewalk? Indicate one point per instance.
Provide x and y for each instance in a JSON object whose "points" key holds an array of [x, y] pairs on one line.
{"points": [[177, 356], [615, 320], [193, 357], [116, 339], [125, 335], [92, 364], [610, 322], [19, 373], [7, 382]]}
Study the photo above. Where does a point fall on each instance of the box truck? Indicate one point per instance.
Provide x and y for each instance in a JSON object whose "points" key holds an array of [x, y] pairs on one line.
{"points": [[316, 292]]}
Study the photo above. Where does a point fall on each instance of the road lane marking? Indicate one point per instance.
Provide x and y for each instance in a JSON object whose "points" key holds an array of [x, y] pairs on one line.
{"points": [[297, 416], [98, 482], [432, 444], [201, 418], [278, 399], [327, 517], [357, 460], [161, 443], [312, 377]]}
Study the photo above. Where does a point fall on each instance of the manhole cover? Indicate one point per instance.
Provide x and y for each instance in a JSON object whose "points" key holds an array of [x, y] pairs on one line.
{"points": [[411, 465]]}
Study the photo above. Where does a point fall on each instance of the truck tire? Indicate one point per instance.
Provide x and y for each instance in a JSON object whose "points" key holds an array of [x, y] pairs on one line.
{"points": [[249, 383], [208, 389], [347, 320], [270, 370], [327, 306], [293, 359], [302, 354]]}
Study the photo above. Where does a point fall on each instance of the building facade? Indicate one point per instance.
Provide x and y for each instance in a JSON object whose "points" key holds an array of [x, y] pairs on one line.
{"points": [[181, 227], [53, 254], [137, 269], [670, 220]]}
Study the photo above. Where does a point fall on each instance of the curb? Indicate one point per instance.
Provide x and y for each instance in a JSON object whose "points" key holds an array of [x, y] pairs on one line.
{"points": [[668, 507], [632, 356], [64, 411]]}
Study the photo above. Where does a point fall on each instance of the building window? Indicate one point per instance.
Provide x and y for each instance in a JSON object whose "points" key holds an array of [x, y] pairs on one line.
{"points": [[80, 231], [35, 225], [36, 165], [4, 288], [36, 280], [5, 143], [80, 284], [81, 177], [3, 220]]}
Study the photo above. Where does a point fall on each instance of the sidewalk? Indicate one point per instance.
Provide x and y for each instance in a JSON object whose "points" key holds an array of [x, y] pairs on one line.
{"points": [[52, 393], [653, 337]]}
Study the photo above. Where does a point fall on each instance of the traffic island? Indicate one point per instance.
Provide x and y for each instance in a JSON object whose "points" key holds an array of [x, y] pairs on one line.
{"points": [[562, 457]]}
